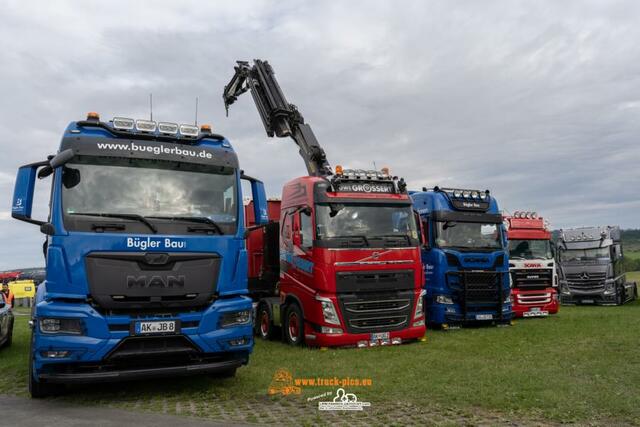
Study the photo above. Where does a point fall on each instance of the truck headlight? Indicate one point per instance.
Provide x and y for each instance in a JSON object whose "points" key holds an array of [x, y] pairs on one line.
{"points": [[507, 299], [443, 299], [235, 318], [54, 325], [328, 311], [420, 306]]}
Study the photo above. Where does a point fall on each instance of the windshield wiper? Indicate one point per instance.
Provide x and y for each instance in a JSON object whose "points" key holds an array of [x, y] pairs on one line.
{"points": [[394, 236], [198, 219], [134, 217]]}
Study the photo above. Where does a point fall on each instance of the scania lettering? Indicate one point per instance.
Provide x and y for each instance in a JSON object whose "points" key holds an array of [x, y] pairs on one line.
{"points": [[339, 262], [464, 257], [146, 266], [591, 270], [531, 264]]}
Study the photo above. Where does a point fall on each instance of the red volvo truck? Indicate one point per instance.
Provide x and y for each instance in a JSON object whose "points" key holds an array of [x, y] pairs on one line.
{"points": [[338, 263], [531, 265]]}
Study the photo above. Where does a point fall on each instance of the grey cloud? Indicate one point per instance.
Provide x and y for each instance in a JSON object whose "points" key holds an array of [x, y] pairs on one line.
{"points": [[537, 101]]}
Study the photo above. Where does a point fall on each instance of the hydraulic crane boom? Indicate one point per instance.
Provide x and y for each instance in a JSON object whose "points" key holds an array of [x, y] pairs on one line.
{"points": [[278, 116]]}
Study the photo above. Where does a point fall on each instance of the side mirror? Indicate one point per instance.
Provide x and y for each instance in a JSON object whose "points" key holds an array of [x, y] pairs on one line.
{"points": [[58, 160], [23, 193], [259, 197]]}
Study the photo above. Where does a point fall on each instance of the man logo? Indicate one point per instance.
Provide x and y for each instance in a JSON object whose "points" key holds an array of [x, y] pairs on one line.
{"points": [[155, 282]]}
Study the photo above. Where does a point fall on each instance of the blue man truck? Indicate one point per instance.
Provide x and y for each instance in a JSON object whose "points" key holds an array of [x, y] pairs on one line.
{"points": [[464, 257], [146, 266]]}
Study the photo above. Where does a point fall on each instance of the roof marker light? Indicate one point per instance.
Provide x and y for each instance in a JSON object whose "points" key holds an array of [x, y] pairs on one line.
{"points": [[168, 128], [338, 169], [122, 123], [92, 115], [189, 130], [205, 128], [145, 126]]}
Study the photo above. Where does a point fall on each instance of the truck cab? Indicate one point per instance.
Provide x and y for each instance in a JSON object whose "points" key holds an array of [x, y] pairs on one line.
{"points": [[532, 266], [591, 270], [464, 257], [349, 264], [145, 255]]}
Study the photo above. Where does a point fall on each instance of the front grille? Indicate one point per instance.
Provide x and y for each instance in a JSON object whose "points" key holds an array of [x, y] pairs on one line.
{"points": [[142, 350], [376, 312], [477, 290], [534, 299], [532, 278], [590, 282]]}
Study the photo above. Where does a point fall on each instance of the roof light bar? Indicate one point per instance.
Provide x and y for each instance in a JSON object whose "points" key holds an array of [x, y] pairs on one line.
{"points": [[168, 128], [145, 126], [189, 130], [122, 123]]}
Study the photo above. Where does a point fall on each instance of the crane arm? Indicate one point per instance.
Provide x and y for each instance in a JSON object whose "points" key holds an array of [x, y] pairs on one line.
{"points": [[279, 117]]}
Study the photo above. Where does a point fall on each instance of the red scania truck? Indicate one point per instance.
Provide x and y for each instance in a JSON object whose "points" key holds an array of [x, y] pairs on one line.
{"points": [[338, 263], [532, 266]]}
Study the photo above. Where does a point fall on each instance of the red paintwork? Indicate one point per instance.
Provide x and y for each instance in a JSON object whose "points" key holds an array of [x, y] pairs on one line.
{"points": [[255, 239], [303, 286], [519, 309], [530, 229], [13, 275]]}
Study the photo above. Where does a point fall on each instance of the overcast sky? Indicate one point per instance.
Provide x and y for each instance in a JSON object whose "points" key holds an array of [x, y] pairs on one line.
{"points": [[537, 101]]}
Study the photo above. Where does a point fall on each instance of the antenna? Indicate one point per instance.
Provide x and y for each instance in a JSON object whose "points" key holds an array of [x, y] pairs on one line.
{"points": [[375, 168], [151, 106], [196, 111]]}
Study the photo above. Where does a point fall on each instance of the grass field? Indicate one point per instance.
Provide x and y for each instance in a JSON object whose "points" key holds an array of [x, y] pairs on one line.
{"points": [[581, 366], [632, 254]]}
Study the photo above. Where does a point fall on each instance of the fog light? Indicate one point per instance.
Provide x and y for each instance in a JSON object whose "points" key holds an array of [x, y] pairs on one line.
{"points": [[419, 323], [397, 340], [239, 341], [362, 344], [328, 330], [385, 342], [54, 354]]}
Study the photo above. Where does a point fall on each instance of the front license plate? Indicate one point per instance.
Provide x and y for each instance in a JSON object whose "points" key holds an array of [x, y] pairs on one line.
{"points": [[156, 327], [484, 316], [379, 336], [587, 301], [538, 313]]}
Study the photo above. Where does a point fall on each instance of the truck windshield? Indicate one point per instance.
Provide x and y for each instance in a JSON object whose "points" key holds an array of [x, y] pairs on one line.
{"points": [[468, 235], [530, 249], [591, 254], [150, 191], [343, 220]]}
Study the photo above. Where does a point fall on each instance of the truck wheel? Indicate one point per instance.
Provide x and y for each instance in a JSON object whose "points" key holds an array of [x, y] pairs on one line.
{"points": [[620, 296], [264, 323], [293, 325], [38, 390], [9, 335]]}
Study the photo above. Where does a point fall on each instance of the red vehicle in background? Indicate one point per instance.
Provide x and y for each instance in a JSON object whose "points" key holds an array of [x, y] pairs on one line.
{"points": [[338, 263], [532, 266]]}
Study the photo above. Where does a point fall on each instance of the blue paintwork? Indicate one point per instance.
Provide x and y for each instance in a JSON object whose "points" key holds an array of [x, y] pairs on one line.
{"points": [[437, 270], [65, 290]]}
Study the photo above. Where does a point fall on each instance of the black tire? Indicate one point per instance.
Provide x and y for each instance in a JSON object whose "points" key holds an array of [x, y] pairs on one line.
{"points": [[9, 340], [620, 295], [264, 323], [634, 294], [293, 325], [38, 390]]}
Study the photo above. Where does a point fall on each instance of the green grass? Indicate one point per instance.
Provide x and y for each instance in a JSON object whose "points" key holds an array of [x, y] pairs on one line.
{"points": [[632, 254], [582, 365]]}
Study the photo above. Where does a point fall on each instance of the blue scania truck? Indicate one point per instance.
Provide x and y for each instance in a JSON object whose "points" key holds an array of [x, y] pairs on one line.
{"points": [[464, 257], [146, 267]]}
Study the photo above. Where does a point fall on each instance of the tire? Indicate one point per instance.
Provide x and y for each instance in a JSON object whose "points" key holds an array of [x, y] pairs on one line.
{"points": [[620, 295], [293, 325], [264, 323], [38, 390], [7, 343]]}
